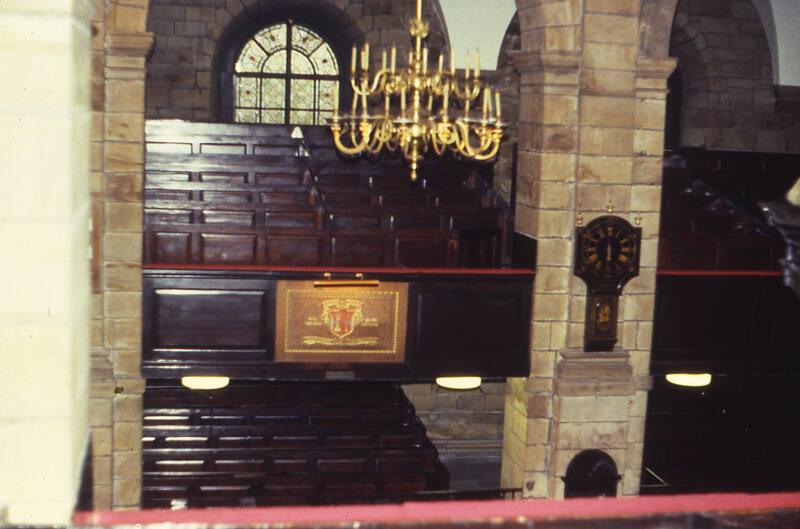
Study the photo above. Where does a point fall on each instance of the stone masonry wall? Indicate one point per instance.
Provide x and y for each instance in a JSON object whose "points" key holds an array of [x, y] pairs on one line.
{"points": [[728, 93], [180, 79], [119, 46], [591, 136], [507, 82], [461, 423], [100, 417]]}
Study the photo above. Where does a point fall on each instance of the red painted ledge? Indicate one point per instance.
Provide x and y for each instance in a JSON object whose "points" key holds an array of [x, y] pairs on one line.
{"points": [[454, 511], [720, 273], [344, 270]]}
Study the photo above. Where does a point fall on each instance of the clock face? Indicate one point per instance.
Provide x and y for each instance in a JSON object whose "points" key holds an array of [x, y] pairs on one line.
{"points": [[608, 249]]}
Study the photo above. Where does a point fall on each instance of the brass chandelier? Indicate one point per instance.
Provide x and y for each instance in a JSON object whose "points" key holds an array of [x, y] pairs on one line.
{"points": [[424, 120]]}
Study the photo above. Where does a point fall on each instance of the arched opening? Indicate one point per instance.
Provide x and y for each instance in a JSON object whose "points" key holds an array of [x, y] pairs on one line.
{"points": [[298, 62], [591, 473], [285, 74]]}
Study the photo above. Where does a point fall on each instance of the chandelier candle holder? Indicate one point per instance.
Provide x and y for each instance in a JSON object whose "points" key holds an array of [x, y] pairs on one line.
{"points": [[426, 118]]}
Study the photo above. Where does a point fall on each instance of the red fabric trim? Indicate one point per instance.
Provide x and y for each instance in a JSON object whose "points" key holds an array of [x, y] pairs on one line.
{"points": [[454, 511], [721, 273], [342, 270]]}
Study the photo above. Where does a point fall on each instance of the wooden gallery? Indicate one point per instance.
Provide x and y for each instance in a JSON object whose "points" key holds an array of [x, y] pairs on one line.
{"points": [[337, 255]]}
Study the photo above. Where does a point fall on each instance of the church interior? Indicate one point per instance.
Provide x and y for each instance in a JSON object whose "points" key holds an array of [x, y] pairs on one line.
{"points": [[333, 208]]}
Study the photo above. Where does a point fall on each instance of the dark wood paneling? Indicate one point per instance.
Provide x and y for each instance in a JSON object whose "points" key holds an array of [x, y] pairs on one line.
{"points": [[724, 323], [220, 248], [207, 321], [166, 247], [297, 249], [741, 432], [189, 318], [223, 322], [214, 175], [463, 326]]}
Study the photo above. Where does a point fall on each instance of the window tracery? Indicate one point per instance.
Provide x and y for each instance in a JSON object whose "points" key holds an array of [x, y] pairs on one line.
{"points": [[285, 74]]}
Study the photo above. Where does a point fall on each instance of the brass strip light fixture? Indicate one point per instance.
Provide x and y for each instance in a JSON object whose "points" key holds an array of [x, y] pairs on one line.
{"points": [[424, 120]]}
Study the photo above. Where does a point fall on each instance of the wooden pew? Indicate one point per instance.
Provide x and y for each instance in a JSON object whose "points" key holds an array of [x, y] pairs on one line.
{"points": [[248, 447]]}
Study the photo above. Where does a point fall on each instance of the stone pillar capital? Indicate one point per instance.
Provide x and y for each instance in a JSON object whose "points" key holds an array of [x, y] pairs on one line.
{"points": [[582, 373], [129, 44], [652, 74]]}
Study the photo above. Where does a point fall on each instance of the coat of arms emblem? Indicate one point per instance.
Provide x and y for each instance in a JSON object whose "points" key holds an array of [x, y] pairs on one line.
{"points": [[335, 324], [342, 316]]}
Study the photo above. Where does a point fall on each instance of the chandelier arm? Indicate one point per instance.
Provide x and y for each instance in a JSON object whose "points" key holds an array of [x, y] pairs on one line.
{"points": [[462, 143], [466, 92], [375, 143], [379, 82], [488, 142], [382, 136], [353, 132], [488, 148], [438, 146], [489, 155], [357, 148]]}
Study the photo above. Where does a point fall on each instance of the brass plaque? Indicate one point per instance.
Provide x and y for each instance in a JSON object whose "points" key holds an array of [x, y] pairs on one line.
{"points": [[331, 324]]}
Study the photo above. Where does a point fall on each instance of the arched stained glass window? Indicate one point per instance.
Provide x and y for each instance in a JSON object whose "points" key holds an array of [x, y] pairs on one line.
{"points": [[285, 74]]}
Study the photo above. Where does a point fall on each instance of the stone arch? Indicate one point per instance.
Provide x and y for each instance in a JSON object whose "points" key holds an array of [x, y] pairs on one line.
{"points": [[192, 40], [591, 473], [556, 29], [334, 25], [727, 94], [439, 27], [508, 84], [655, 26]]}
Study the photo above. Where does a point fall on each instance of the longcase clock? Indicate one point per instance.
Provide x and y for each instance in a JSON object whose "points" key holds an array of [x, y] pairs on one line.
{"points": [[606, 258]]}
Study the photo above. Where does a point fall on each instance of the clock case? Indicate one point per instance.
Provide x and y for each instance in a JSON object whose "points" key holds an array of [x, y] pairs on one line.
{"points": [[603, 290]]}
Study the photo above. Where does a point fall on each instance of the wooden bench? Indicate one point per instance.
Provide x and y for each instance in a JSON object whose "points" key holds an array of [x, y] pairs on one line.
{"points": [[279, 444], [213, 244]]}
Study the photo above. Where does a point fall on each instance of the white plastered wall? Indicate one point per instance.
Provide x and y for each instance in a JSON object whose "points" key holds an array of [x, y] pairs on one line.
{"points": [[477, 25], [44, 267], [783, 31], [482, 24]]}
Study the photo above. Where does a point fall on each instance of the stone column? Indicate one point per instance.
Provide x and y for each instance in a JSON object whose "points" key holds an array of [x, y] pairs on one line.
{"points": [[44, 272], [117, 386], [548, 135], [591, 139]]}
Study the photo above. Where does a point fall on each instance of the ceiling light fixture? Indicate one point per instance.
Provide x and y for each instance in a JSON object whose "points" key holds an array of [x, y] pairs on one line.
{"points": [[424, 120], [459, 383], [205, 383], [692, 380]]}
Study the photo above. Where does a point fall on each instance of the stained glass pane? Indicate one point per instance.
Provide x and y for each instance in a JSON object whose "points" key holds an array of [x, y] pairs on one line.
{"points": [[301, 65], [272, 38], [328, 93], [322, 117], [276, 63], [251, 58], [301, 117], [273, 116], [246, 89], [325, 61], [246, 116], [302, 94], [273, 93], [305, 40]]}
